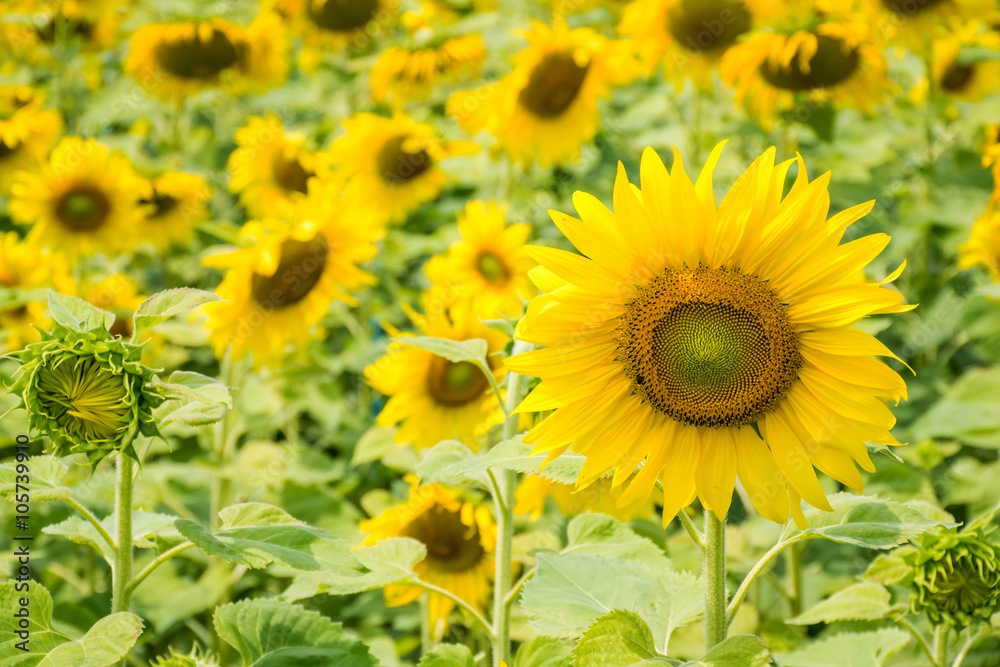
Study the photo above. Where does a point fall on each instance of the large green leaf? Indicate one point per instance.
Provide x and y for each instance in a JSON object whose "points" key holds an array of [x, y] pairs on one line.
{"points": [[77, 314], [147, 529], [850, 649], [868, 521], [271, 633], [45, 479], [604, 536], [448, 655], [256, 534], [196, 387], [735, 651], [569, 592], [967, 411], [450, 460], [866, 602], [387, 562], [104, 644]]}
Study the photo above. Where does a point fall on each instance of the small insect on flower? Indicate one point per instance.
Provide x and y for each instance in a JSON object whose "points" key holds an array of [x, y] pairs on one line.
{"points": [[708, 342], [83, 387]]}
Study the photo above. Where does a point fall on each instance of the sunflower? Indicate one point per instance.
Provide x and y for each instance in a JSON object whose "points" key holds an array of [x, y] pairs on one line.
{"points": [[488, 266], [176, 202], [27, 131], [546, 108], [175, 60], [810, 56], [915, 24], [599, 497], [401, 74], [445, 12], [983, 246], [332, 25], [433, 399], [959, 79], [711, 342], [392, 162], [282, 281], [269, 165], [460, 538], [24, 37], [25, 272], [688, 37], [84, 201]]}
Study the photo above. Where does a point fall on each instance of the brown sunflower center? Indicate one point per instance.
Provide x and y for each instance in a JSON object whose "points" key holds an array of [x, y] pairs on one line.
{"points": [[492, 267], [300, 269], [910, 7], [451, 545], [832, 63], [83, 208], [6, 151], [553, 85], [83, 29], [342, 15], [162, 205], [708, 347], [957, 77], [122, 326], [712, 25], [290, 174], [192, 58], [455, 383], [398, 165]]}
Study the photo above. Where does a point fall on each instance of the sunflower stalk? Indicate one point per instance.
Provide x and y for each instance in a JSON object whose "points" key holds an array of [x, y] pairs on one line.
{"points": [[121, 575], [507, 482], [941, 645], [716, 621]]}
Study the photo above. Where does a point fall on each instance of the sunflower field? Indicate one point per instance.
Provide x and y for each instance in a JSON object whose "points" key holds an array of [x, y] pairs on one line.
{"points": [[500, 333]]}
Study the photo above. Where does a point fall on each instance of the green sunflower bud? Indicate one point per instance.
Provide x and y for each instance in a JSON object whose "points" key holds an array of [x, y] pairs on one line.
{"points": [[955, 576], [83, 387]]}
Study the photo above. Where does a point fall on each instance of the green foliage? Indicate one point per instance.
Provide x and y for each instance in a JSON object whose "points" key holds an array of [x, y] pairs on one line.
{"points": [[164, 305], [869, 522], [857, 649], [452, 460], [269, 633], [543, 652], [448, 655], [866, 601]]}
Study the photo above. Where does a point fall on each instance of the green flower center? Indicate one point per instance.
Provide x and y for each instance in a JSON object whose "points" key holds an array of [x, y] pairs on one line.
{"points": [[291, 175], [708, 347], [455, 383], [85, 399], [451, 545], [553, 85], [193, 58], [491, 267], [83, 208], [397, 165], [342, 15], [832, 63], [957, 77], [300, 269], [963, 589], [711, 26], [910, 7]]}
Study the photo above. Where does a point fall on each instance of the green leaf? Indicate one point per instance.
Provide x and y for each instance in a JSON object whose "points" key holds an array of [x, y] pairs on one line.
{"points": [[444, 462], [107, 641], [862, 649], [46, 474], [270, 633], [543, 652], [382, 564], [866, 602], [736, 651], [164, 305], [619, 638], [569, 592], [77, 314], [472, 351], [448, 655], [146, 528], [966, 412], [868, 521], [256, 534], [195, 386], [513, 454], [604, 536], [891, 568]]}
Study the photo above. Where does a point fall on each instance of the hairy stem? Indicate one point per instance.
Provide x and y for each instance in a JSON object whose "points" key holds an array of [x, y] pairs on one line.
{"points": [[157, 562], [921, 642], [459, 602], [89, 516], [758, 569], [121, 574], [716, 622], [941, 645]]}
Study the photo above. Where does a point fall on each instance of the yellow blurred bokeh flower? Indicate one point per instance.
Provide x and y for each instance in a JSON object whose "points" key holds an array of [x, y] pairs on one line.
{"points": [[27, 131]]}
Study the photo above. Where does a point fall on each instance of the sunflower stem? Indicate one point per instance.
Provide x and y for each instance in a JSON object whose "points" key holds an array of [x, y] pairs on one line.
{"points": [[505, 522], [758, 569], [121, 594], [716, 622], [689, 526], [459, 602], [794, 555], [89, 516], [426, 643], [968, 645], [941, 645], [917, 636]]}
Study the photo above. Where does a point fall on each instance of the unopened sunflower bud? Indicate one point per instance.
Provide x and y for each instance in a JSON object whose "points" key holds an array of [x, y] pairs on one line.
{"points": [[956, 576], [86, 390]]}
